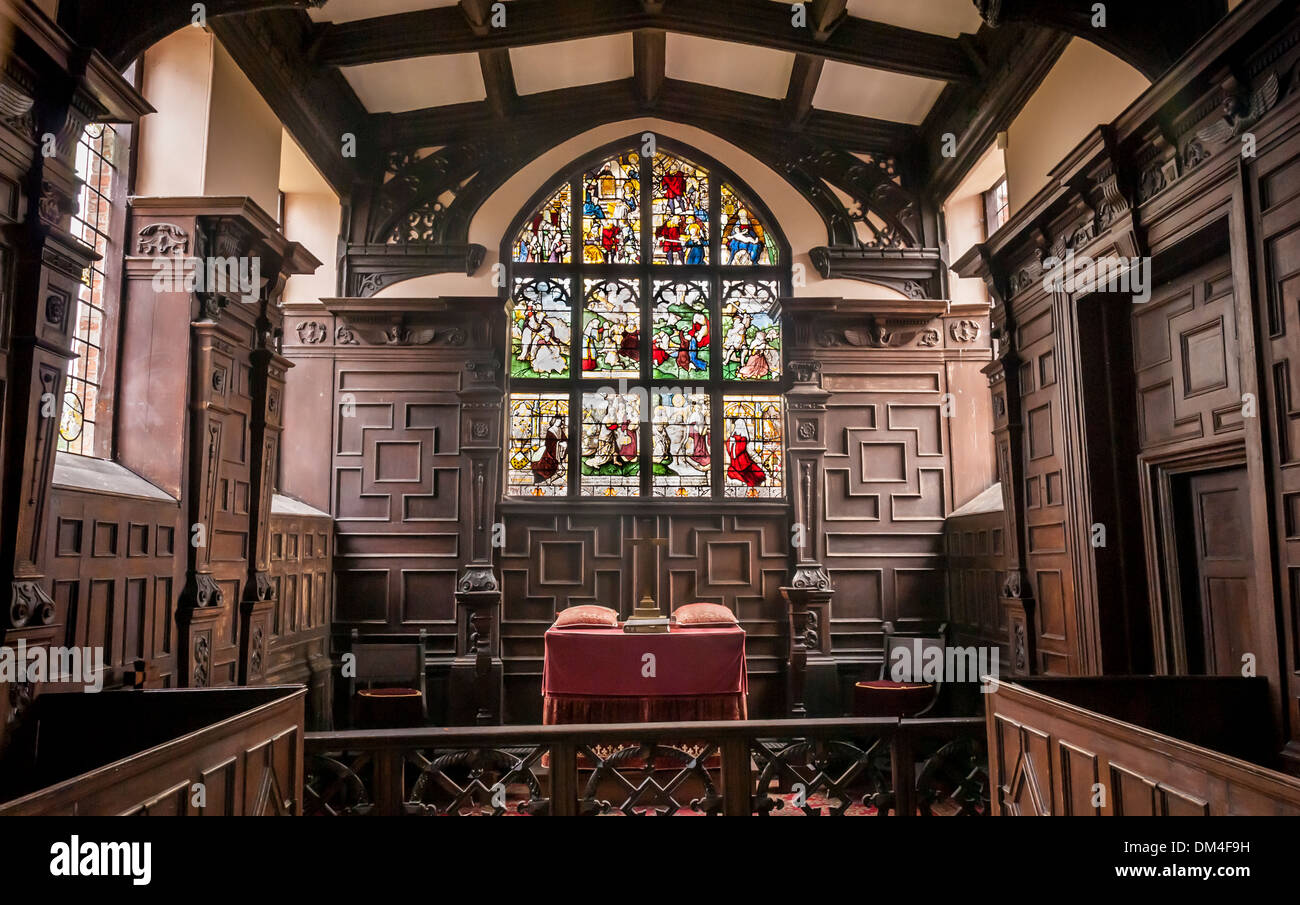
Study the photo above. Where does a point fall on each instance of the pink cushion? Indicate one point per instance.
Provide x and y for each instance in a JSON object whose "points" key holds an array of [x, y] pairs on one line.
{"points": [[704, 614], [587, 616]]}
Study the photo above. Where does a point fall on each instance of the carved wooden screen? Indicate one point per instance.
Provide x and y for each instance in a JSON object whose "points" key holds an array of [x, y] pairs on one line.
{"points": [[645, 356]]}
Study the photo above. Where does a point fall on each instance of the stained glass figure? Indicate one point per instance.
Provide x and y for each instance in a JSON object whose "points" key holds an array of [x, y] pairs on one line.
{"points": [[610, 444], [754, 446], [680, 444], [751, 334], [538, 460], [744, 241], [540, 328], [611, 329], [611, 212], [546, 237], [681, 212], [680, 339]]}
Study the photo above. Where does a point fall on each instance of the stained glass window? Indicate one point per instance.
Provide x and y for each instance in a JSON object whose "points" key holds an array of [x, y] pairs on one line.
{"points": [[611, 448], [644, 293], [539, 458], [611, 212], [754, 446], [540, 328], [751, 334], [680, 344], [744, 241], [680, 448], [681, 212], [611, 329], [545, 237]]}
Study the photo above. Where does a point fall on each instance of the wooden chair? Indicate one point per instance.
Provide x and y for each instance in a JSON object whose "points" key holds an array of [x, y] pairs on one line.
{"points": [[390, 670], [911, 696]]}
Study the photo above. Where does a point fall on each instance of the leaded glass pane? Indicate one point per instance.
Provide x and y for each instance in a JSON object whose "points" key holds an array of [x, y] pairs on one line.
{"points": [[611, 212], [744, 240], [611, 329], [546, 237], [540, 331], [610, 444], [538, 460], [680, 444], [680, 343], [681, 212], [754, 446], [751, 334]]}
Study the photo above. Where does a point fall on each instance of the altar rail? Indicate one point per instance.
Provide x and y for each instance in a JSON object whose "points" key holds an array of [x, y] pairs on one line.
{"points": [[837, 767]]}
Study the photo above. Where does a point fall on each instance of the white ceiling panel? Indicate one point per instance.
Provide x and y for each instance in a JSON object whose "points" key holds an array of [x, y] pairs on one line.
{"points": [[860, 91], [351, 10], [738, 67], [400, 85], [939, 17], [587, 61]]}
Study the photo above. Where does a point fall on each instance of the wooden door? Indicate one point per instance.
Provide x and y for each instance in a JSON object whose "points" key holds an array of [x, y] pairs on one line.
{"points": [[1216, 565]]}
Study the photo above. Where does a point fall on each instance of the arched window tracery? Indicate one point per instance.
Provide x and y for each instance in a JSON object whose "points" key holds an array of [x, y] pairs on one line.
{"points": [[645, 355]]}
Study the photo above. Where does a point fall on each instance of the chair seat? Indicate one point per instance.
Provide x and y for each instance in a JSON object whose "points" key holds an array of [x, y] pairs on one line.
{"points": [[386, 708], [883, 698]]}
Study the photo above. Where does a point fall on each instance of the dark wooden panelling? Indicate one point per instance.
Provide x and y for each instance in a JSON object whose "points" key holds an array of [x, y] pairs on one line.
{"points": [[302, 574], [124, 600], [1054, 758]]}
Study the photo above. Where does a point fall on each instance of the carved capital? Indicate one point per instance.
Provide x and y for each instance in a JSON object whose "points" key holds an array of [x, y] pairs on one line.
{"points": [[29, 605], [201, 591], [478, 578]]}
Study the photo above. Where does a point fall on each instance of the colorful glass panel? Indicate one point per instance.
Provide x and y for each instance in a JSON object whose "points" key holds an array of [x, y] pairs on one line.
{"points": [[754, 447], [680, 450], [681, 335], [611, 329], [540, 328], [611, 444], [611, 212], [744, 240], [538, 461], [681, 212], [546, 237], [751, 334]]}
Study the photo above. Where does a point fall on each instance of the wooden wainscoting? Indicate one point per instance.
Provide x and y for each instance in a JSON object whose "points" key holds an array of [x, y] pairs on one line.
{"points": [[145, 753], [1050, 755]]}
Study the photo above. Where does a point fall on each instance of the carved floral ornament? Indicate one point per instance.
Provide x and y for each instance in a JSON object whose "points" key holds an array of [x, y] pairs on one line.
{"points": [[162, 239], [964, 331]]}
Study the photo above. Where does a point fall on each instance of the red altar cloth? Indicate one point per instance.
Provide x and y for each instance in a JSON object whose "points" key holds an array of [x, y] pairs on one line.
{"points": [[597, 675]]}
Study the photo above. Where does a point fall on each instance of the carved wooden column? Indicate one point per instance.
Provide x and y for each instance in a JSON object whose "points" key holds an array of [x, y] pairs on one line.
{"points": [[269, 369], [811, 673], [478, 672], [41, 266], [233, 395]]}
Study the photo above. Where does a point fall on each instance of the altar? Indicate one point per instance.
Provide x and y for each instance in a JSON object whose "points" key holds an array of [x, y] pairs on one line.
{"points": [[606, 675]]}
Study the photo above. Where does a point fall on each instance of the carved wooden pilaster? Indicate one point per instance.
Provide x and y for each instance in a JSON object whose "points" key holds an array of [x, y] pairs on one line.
{"points": [[1016, 596], [477, 683], [810, 671]]}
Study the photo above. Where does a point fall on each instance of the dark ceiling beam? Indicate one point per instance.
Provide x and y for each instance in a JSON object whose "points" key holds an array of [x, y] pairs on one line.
{"points": [[571, 111], [649, 51], [803, 86], [1150, 35], [826, 16], [478, 13], [975, 114], [499, 81], [447, 30]]}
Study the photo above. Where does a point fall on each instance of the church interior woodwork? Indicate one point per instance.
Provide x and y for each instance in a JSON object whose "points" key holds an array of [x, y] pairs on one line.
{"points": [[330, 328]]}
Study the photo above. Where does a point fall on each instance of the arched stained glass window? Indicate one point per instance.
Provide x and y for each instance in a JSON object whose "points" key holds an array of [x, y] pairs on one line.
{"points": [[645, 355]]}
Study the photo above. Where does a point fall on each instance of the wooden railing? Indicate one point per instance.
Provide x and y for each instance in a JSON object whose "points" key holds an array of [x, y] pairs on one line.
{"points": [[851, 766]]}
